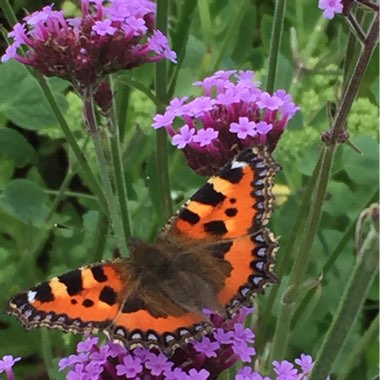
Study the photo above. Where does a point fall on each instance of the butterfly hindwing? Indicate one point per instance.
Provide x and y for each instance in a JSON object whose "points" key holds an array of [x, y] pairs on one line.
{"points": [[83, 300], [108, 297]]}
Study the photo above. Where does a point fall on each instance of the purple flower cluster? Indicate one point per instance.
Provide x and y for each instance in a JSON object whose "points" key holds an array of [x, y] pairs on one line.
{"points": [[204, 359], [330, 7], [233, 113], [283, 370], [109, 36], [6, 364]]}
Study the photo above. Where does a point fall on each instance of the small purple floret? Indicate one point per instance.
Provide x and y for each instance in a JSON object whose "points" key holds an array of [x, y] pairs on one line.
{"points": [[330, 8]]}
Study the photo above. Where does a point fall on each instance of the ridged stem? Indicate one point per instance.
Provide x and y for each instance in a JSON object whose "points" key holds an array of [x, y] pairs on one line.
{"points": [[120, 185], [162, 165], [362, 277], [100, 146], [360, 349], [275, 43], [281, 335]]}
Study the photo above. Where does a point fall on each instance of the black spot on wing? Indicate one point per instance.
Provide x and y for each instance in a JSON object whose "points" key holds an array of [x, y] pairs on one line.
{"points": [[132, 304], [216, 227], [108, 296], [208, 195], [98, 274], [231, 175], [43, 293], [88, 303], [73, 282], [231, 212], [189, 216]]}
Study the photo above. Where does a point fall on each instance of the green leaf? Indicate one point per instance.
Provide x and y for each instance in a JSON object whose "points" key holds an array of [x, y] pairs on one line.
{"points": [[22, 100], [25, 201], [15, 147], [362, 169]]}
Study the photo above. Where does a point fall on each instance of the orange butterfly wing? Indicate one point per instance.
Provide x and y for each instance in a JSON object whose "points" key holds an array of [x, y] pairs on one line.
{"points": [[222, 227], [234, 207], [235, 202], [82, 301]]}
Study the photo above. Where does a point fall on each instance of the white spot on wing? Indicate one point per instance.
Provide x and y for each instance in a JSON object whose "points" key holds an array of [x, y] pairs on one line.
{"points": [[237, 164], [31, 296]]}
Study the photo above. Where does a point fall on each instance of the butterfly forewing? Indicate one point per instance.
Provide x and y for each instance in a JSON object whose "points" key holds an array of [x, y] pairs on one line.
{"points": [[235, 202]]}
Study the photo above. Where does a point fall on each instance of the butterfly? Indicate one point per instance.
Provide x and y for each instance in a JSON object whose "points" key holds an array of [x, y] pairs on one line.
{"points": [[215, 253]]}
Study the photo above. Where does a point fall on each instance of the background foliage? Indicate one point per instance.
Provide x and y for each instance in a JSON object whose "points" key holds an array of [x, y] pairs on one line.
{"points": [[50, 222]]}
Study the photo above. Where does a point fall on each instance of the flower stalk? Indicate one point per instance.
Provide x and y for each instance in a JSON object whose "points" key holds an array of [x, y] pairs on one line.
{"points": [[275, 43], [104, 171], [352, 301], [166, 207]]}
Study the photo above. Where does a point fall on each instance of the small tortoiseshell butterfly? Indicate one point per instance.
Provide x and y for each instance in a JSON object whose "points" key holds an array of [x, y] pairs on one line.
{"points": [[216, 253]]}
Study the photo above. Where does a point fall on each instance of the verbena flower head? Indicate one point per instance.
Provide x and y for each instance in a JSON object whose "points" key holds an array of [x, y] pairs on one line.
{"points": [[204, 359], [200, 361], [232, 113], [330, 8], [109, 36]]}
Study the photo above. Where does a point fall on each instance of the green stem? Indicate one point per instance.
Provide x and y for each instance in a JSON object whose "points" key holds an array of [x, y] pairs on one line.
{"points": [[166, 207], [117, 224], [8, 12], [359, 349], [304, 305], [124, 79], [100, 238], [46, 352], [118, 168], [306, 54], [282, 330], [74, 194], [350, 307], [120, 186], [347, 236], [352, 88], [180, 38], [122, 104], [230, 33], [353, 49], [205, 20], [100, 149], [314, 38], [284, 257], [274, 49], [70, 138]]}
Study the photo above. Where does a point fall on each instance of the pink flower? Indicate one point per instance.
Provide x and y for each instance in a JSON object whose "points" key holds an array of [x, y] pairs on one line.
{"points": [[184, 137], [330, 7]]}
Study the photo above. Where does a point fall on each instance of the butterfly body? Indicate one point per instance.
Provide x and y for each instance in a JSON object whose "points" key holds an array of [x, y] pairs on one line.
{"points": [[215, 254]]}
